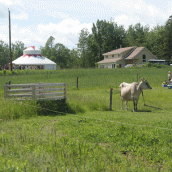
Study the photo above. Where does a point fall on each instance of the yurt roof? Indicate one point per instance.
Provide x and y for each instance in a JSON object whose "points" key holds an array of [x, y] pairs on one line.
{"points": [[32, 56]]}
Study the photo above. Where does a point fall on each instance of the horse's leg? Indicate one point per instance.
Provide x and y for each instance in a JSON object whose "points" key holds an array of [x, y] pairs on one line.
{"points": [[126, 105], [134, 104], [122, 104]]}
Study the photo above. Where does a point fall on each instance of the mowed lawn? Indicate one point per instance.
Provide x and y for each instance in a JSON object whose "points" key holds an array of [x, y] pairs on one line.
{"points": [[92, 138]]}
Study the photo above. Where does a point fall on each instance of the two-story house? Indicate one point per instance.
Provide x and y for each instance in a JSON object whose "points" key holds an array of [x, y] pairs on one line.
{"points": [[124, 56]]}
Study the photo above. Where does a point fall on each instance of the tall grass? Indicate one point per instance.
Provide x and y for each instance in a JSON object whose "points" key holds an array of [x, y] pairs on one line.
{"points": [[93, 92], [89, 78], [89, 138], [15, 110], [96, 141]]}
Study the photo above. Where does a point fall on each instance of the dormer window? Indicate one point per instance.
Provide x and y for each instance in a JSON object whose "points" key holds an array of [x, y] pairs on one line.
{"points": [[106, 57], [113, 56]]}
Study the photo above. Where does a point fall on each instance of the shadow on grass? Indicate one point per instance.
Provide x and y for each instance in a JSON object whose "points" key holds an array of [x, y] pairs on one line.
{"points": [[55, 107], [143, 110]]}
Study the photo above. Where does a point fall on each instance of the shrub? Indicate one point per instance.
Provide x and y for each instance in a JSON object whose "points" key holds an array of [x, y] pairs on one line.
{"points": [[4, 72], [117, 66]]}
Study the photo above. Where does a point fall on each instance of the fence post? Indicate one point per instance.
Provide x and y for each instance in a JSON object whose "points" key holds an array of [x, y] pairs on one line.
{"points": [[65, 92], [110, 101], [77, 82], [33, 92], [9, 84], [5, 92]]}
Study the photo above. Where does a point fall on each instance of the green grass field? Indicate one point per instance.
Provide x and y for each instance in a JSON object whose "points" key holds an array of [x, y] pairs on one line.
{"points": [[87, 136]]}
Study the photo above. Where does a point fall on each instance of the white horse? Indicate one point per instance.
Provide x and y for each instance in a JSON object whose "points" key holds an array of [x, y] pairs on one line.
{"points": [[131, 92]]}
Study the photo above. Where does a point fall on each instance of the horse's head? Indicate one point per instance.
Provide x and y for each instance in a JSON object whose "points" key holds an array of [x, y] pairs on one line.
{"points": [[145, 84]]}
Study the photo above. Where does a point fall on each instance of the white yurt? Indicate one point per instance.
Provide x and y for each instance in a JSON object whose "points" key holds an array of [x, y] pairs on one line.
{"points": [[32, 59]]}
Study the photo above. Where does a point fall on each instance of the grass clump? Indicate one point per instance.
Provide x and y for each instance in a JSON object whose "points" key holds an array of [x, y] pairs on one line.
{"points": [[15, 110]]}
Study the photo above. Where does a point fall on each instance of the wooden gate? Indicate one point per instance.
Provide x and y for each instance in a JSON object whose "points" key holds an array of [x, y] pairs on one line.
{"points": [[38, 91]]}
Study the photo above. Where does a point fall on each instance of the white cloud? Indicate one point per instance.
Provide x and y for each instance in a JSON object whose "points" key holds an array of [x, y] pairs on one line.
{"points": [[4, 32], [21, 16], [67, 26], [66, 32], [62, 19], [152, 10], [127, 20], [138, 11], [6, 2], [57, 14]]}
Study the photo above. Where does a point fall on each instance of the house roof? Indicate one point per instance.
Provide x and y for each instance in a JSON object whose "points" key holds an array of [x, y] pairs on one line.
{"points": [[109, 60], [135, 52], [130, 53], [119, 51]]}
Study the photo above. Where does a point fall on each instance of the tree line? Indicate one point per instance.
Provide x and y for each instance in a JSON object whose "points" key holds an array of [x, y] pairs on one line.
{"points": [[106, 36]]}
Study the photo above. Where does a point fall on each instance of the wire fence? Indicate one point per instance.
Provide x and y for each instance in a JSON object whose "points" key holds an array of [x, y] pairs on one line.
{"points": [[97, 119], [37, 107]]}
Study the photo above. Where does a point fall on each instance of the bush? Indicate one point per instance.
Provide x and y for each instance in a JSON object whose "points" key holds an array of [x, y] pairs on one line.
{"points": [[96, 65], [155, 65], [148, 64], [117, 66], [4, 72]]}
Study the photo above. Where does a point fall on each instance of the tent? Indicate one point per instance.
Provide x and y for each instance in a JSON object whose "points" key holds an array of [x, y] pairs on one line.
{"points": [[32, 59]]}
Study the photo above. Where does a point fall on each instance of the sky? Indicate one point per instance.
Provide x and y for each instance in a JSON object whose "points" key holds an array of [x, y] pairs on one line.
{"points": [[34, 21]]}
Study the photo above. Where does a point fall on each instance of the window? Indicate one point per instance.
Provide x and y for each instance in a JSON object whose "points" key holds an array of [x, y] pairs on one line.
{"points": [[119, 55], [113, 66], [144, 58], [106, 57], [101, 66], [113, 56]]}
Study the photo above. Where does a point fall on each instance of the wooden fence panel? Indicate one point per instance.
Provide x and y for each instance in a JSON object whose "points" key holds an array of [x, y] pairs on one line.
{"points": [[38, 91]]}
